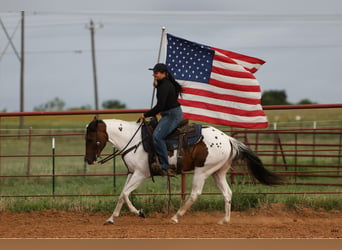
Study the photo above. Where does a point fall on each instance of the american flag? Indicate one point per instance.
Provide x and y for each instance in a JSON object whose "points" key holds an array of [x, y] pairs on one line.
{"points": [[219, 85]]}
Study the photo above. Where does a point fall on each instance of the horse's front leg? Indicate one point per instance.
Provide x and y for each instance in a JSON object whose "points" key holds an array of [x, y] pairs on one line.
{"points": [[119, 205], [132, 182]]}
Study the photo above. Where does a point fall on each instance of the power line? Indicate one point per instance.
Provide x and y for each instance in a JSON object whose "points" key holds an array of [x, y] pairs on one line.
{"points": [[218, 16], [133, 50]]}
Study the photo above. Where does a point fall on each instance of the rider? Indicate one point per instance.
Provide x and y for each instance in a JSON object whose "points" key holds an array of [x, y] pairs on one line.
{"points": [[168, 90]]}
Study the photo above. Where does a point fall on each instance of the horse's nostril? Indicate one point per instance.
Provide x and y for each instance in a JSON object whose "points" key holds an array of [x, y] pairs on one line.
{"points": [[88, 160]]}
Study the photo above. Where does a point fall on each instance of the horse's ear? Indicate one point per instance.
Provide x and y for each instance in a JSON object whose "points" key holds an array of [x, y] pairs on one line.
{"points": [[93, 124]]}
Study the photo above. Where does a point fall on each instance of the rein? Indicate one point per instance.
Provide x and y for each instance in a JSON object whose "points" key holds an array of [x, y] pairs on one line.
{"points": [[123, 151]]}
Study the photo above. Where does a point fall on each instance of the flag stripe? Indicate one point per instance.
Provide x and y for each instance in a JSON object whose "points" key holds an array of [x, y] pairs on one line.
{"points": [[230, 66], [219, 96], [253, 97], [223, 103], [223, 109], [232, 73], [252, 64], [225, 122], [220, 115], [196, 115], [234, 80], [237, 87]]}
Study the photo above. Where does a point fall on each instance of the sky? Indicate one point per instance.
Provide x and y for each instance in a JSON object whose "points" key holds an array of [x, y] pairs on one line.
{"points": [[300, 40]]}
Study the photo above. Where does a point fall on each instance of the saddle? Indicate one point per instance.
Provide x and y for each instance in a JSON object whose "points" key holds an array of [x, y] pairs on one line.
{"points": [[184, 136]]}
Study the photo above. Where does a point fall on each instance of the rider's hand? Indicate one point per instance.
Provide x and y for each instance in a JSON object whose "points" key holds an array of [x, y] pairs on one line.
{"points": [[141, 117]]}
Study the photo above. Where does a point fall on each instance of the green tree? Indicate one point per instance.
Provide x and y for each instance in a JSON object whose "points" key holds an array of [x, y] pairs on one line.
{"points": [[113, 104], [83, 107], [306, 101], [274, 97], [55, 104]]}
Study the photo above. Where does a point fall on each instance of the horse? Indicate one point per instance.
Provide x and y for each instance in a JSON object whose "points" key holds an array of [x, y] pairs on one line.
{"points": [[212, 156]]}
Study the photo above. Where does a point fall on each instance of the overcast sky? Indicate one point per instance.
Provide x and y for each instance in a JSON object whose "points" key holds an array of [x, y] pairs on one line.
{"points": [[300, 40]]}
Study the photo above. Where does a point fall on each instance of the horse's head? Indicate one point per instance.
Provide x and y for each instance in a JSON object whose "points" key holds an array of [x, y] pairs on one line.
{"points": [[96, 139]]}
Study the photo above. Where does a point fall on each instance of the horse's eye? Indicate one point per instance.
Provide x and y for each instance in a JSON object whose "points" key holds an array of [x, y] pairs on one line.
{"points": [[98, 143]]}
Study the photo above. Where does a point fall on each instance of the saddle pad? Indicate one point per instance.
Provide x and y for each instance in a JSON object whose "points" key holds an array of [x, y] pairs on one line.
{"points": [[188, 140]]}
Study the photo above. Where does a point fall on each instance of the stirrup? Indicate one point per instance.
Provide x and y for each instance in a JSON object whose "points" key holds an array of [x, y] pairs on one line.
{"points": [[169, 172]]}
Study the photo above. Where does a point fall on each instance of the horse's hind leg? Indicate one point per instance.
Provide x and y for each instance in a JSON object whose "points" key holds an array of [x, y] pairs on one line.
{"points": [[197, 187], [221, 183]]}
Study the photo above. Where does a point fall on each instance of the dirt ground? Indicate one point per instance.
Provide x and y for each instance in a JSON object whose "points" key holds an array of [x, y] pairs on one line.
{"points": [[271, 223]]}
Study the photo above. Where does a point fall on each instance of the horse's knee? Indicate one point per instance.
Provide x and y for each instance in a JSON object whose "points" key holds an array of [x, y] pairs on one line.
{"points": [[193, 197]]}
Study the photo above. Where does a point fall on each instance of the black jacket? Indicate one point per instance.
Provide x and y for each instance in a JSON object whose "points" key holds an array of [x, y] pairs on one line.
{"points": [[167, 98]]}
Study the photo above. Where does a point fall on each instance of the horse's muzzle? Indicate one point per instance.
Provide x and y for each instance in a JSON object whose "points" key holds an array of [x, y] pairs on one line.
{"points": [[91, 160]]}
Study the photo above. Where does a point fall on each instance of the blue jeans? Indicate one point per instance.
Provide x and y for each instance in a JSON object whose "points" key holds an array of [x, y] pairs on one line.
{"points": [[169, 121]]}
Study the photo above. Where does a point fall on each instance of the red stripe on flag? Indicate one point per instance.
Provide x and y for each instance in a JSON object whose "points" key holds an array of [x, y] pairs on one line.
{"points": [[232, 73], [221, 109], [224, 122], [231, 56], [241, 57], [224, 59], [223, 97], [236, 87]]}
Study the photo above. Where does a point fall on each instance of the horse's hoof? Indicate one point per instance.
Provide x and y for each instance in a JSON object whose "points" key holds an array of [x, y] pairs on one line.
{"points": [[223, 221], [141, 213], [109, 222], [174, 220]]}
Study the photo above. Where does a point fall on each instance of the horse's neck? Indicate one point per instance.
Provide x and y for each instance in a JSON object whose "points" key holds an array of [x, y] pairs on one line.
{"points": [[120, 132]]}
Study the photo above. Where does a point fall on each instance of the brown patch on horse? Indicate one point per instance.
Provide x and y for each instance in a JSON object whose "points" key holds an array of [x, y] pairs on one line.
{"points": [[96, 139], [194, 156]]}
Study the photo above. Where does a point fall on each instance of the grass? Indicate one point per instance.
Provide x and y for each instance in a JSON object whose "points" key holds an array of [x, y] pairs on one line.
{"points": [[245, 196]]}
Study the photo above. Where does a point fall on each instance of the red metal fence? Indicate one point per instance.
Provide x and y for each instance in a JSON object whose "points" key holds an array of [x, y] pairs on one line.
{"points": [[305, 156]]}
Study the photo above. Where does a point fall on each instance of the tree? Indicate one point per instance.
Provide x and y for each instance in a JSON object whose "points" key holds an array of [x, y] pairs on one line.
{"points": [[55, 104], [306, 101], [83, 107], [274, 97], [113, 104]]}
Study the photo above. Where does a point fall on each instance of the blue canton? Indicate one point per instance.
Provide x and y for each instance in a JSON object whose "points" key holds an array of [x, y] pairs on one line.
{"points": [[189, 61]]}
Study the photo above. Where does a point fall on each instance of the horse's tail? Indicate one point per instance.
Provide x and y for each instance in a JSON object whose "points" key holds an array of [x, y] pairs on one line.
{"points": [[256, 168]]}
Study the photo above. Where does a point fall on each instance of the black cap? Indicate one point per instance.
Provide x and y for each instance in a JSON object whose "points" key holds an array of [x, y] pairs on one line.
{"points": [[159, 67]]}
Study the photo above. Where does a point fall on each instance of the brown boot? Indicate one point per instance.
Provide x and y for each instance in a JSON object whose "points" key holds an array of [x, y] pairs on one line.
{"points": [[169, 172], [156, 169], [155, 166]]}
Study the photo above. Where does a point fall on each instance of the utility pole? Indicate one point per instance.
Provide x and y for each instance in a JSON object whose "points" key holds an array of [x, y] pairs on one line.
{"points": [[92, 27], [22, 67]]}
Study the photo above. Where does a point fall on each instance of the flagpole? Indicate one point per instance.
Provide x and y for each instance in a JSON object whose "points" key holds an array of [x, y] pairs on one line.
{"points": [[158, 61]]}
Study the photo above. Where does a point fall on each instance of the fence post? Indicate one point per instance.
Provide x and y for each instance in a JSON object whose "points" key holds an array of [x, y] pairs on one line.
{"points": [[53, 166], [28, 171], [314, 142], [114, 171], [0, 151], [295, 155], [339, 154], [275, 146], [183, 187]]}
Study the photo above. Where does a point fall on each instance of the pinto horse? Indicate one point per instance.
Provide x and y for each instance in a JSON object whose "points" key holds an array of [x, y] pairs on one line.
{"points": [[211, 156]]}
